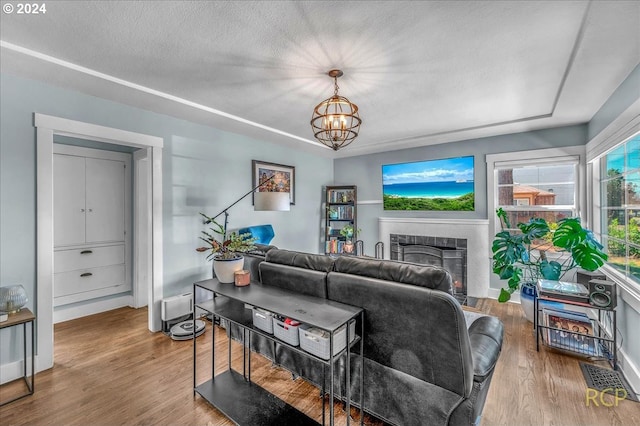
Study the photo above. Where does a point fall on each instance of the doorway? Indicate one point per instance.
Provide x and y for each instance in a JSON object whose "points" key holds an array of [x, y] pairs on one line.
{"points": [[147, 215]]}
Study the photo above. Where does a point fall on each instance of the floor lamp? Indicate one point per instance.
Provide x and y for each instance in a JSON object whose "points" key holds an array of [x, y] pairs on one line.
{"points": [[262, 201]]}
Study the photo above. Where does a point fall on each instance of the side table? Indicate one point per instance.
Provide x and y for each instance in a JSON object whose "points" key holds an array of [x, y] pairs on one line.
{"points": [[23, 317]]}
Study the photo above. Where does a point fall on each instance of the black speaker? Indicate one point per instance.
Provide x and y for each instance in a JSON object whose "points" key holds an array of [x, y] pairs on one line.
{"points": [[584, 276], [602, 294]]}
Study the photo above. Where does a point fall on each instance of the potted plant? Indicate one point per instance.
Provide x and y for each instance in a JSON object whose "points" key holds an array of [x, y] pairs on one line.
{"points": [[348, 233], [542, 250], [226, 253], [333, 213]]}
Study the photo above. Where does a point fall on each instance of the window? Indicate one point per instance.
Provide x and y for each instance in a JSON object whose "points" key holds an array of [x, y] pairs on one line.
{"points": [[620, 207], [544, 188]]}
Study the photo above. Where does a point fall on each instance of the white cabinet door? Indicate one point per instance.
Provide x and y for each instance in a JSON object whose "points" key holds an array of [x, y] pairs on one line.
{"points": [[105, 200], [68, 200]]}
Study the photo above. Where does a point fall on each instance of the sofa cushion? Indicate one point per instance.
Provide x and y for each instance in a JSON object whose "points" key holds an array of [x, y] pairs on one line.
{"points": [[416, 330], [315, 262], [300, 280], [390, 270]]}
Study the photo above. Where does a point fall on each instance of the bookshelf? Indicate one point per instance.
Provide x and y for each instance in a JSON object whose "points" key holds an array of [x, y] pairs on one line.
{"points": [[340, 210]]}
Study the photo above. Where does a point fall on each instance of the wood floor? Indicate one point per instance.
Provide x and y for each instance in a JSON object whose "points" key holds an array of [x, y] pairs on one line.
{"points": [[110, 370]]}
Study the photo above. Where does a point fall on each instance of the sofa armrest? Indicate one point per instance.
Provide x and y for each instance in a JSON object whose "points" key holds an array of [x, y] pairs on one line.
{"points": [[485, 338]]}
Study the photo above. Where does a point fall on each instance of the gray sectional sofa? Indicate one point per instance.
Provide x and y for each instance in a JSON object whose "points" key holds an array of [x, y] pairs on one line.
{"points": [[426, 361]]}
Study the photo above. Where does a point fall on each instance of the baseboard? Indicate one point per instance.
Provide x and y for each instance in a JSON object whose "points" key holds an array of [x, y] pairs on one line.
{"points": [[14, 370], [630, 370], [75, 311], [494, 293]]}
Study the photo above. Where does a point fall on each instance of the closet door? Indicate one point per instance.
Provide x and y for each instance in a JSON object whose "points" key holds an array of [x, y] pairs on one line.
{"points": [[68, 200], [105, 191]]}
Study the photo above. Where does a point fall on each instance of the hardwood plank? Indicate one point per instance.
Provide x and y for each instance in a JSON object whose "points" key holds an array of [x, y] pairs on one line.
{"points": [[109, 369]]}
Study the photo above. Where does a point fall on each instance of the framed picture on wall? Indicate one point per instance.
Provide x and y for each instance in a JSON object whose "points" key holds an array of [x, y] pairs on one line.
{"points": [[284, 178]]}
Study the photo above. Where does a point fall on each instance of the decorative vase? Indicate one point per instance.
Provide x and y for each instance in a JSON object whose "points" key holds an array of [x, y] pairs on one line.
{"points": [[527, 296], [12, 299], [224, 269]]}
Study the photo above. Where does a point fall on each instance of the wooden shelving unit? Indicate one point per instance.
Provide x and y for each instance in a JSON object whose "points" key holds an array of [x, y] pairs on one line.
{"points": [[341, 209]]}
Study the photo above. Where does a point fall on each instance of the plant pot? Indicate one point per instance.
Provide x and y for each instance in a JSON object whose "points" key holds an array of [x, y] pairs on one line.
{"points": [[224, 269], [527, 295], [348, 247]]}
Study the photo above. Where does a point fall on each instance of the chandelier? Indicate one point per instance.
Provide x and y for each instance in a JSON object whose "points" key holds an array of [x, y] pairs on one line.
{"points": [[335, 121]]}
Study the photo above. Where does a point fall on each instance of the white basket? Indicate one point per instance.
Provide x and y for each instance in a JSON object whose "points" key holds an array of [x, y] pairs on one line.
{"points": [[263, 320], [316, 341], [286, 332]]}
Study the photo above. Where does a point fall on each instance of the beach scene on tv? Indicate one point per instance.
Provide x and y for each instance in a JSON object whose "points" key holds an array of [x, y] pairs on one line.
{"points": [[445, 184]]}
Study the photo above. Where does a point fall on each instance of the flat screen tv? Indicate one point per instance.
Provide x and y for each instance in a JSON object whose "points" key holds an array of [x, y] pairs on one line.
{"points": [[445, 184]]}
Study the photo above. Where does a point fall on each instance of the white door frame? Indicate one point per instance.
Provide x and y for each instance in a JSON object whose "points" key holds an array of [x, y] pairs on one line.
{"points": [[142, 259], [46, 127]]}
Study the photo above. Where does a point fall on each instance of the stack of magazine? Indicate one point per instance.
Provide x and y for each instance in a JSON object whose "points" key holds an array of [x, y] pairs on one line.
{"points": [[570, 331]]}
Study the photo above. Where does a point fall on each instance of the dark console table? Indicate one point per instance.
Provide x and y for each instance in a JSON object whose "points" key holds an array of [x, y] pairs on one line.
{"points": [[233, 393]]}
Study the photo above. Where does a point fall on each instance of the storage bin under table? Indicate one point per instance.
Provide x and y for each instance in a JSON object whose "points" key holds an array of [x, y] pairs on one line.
{"points": [[262, 319], [286, 332], [316, 341]]}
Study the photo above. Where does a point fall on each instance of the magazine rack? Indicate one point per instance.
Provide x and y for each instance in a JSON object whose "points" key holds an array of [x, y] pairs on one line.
{"points": [[578, 328]]}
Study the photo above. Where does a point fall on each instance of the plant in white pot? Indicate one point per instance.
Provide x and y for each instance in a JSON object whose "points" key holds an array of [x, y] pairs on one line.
{"points": [[226, 252], [542, 250]]}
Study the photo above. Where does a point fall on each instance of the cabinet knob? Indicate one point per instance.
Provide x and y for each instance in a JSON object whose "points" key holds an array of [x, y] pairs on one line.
{"points": [[86, 274], [86, 252], [90, 210], [82, 210]]}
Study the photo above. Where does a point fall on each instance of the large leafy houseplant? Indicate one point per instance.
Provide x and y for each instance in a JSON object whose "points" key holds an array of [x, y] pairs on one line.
{"points": [[223, 248], [522, 257]]}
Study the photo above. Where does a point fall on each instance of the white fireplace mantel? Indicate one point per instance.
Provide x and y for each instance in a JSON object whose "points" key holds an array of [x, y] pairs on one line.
{"points": [[476, 232]]}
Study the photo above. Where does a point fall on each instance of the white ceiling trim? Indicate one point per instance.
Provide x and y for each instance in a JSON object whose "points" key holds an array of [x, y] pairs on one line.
{"points": [[112, 79]]}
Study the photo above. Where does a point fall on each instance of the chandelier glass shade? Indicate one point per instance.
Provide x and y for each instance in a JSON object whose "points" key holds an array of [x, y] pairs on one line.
{"points": [[335, 121]]}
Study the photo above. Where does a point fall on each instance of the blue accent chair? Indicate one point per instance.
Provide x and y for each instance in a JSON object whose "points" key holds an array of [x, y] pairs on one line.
{"points": [[263, 233]]}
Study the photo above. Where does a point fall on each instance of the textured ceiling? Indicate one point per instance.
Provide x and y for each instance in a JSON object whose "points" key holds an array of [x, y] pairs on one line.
{"points": [[421, 72]]}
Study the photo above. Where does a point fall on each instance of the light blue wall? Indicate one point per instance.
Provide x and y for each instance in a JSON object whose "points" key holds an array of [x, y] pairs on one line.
{"points": [[205, 169], [628, 317], [365, 171]]}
